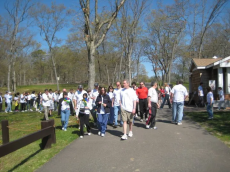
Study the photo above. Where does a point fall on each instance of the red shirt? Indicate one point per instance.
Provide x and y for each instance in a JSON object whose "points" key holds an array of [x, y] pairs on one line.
{"points": [[162, 92], [142, 93]]}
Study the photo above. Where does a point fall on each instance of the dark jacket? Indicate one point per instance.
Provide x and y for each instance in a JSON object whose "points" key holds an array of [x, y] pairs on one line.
{"points": [[106, 100], [60, 104]]}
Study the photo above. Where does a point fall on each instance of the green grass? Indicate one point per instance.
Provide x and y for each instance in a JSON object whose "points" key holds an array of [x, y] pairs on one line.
{"points": [[219, 126], [31, 157]]}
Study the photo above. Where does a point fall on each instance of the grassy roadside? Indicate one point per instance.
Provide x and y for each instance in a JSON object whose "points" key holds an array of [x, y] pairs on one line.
{"points": [[219, 126], [31, 157]]}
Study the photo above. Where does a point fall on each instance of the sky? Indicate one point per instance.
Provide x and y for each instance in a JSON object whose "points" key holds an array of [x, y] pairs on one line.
{"points": [[75, 4]]}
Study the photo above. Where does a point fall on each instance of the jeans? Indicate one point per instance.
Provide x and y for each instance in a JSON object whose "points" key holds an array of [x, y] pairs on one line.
{"points": [[111, 116], [209, 110], [8, 107], [28, 105], [55, 106], [166, 98], [201, 101], [177, 111], [116, 110], [102, 120], [65, 118]]}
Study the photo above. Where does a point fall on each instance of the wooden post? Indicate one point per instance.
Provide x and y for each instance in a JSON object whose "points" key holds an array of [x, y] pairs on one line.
{"points": [[46, 141], [53, 135], [5, 132]]}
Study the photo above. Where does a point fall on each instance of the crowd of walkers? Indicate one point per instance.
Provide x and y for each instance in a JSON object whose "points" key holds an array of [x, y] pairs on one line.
{"points": [[130, 102]]}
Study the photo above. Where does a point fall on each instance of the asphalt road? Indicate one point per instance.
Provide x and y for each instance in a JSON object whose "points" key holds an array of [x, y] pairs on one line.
{"points": [[170, 148]]}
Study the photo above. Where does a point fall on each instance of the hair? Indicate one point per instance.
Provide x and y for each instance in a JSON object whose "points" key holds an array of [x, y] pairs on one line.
{"points": [[71, 90], [220, 88], [100, 88], [142, 82], [134, 83], [65, 94], [46, 90], [33, 92], [201, 83], [50, 89], [127, 81], [153, 83], [180, 82], [209, 89], [89, 90], [109, 88], [85, 94]]}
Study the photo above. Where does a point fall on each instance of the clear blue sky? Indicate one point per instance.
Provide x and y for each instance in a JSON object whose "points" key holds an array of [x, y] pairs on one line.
{"points": [[75, 4]]}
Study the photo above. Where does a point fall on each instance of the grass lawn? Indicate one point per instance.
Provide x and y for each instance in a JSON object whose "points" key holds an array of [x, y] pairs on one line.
{"points": [[219, 126], [31, 157]]}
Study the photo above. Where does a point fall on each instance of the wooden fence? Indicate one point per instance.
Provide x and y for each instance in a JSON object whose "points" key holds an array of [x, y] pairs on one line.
{"points": [[47, 134]]}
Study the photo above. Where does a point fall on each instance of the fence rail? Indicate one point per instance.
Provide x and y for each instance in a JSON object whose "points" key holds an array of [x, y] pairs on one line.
{"points": [[47, 134]]}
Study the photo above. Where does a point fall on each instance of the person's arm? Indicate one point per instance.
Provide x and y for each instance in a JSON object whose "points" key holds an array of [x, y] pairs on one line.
{"points": [[149, 102], [59, 107], [134, 106], [171, 97]]}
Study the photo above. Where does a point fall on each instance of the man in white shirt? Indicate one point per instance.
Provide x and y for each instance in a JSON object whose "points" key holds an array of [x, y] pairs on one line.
{"points": [[201, 95], [221, 97], [167, 94], [178, 95], [78, 96], [116, 106], [1, 102], [128, 107], [5, 95], [8, 101], [153, 105], [46, 97], [93, 95]]}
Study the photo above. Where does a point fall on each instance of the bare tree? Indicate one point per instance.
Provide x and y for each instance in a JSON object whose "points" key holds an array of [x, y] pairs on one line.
{"points": [[50, 20], [95, 31]]}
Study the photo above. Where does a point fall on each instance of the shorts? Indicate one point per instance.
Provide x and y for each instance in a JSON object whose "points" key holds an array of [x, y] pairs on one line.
{"points": [[126, 116]]}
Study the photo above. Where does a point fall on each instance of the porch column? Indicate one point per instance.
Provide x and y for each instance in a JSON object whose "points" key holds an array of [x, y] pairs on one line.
{"points": [[227, 91], [220, 77]]}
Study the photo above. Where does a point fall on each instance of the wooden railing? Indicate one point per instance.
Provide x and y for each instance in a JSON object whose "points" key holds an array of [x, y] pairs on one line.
{"points": [[47, 134]]}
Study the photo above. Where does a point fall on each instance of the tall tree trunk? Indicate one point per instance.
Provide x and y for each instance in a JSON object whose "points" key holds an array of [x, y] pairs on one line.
{"points": [[8, 76], [99, 66], [91, 66], [119, 73], [14, 78], [107, 71], [55, 70], [24, 73]]}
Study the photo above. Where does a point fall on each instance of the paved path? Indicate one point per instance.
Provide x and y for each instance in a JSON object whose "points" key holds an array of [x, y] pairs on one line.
{"points": [[170, 148]]}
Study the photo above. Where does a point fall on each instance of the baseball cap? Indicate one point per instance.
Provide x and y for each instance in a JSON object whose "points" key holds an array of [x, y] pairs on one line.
{"points": [[80, 86], [96, 85]]}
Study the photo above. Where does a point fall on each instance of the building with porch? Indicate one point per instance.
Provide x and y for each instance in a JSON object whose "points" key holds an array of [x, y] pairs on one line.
{"points": [[212, 70]]}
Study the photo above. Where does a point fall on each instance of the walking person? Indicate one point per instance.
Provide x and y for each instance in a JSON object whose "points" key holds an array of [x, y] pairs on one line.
{"points": [[103, 104], [111, 115], [128, 108], [51, 107], [8, 101], [5, 95], [28, 105], [166, 98], [1, 102], [78, 96], [85, 106], [142, 94], [93, 96], [210, 101], [116, 105], [39, 105], [221, 98], [71, 96], [153, 105], [23, 102], [178, 95], [16, 100], [65, 109], [32, 101], [201, 95], [46, 97], [134, 85], [162, 94]]}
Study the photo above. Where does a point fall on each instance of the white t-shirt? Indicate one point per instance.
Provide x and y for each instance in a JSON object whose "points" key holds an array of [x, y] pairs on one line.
{"points": [[209, 97], [102, 110], [110, 94], [70, 95], [117, 96], [200, 90], [33, 96], [46, 99], [64, 105], [78, 96], [8, 98], [16, 98], [167, 90], [179, 92], [22, 99], [28, 97], [221, 95], [128, 96], [152, 93], [94, 94]]}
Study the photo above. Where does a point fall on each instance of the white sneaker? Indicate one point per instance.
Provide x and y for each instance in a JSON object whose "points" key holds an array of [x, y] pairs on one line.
{"points": [[81, 137], [124, 137], [179, 123], [99, 133], [102, 135], [6, 112], [141, 120], [65, 129], [130, 134], [79, 127], [146, 119], [84, 125], [154, 128], [89, 134], [147, 126], [25, 110], [31, 110]]}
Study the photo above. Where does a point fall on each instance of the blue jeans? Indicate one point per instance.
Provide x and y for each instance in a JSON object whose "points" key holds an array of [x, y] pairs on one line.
{"points": [[111, 116], [116, 110], [65, 118], [209, 110], [102, 120], [177, 111], [28, 105], [8, 107]]}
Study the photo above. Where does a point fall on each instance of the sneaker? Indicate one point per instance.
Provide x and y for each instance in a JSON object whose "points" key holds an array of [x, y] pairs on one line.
{"points": [[130, 134], [6, 112], [65, 129], [124, 137], [154, 128], [210, 118], [99, 133], [89, 134], [22, 111], [25, 110], [81, 137], [179, 123], [173, 122], [146, 119], [11, 111], [79, 127], [102, 135], [31, 110], [147, 126], [141, 120]]}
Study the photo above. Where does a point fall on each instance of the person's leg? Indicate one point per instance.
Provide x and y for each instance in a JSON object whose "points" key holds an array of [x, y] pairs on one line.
{"points": [[111, 116], [63, 118], [7, 107], [99, 121], [209, 110], [141, 105], [81, 117], [0, 107], [67, 114], [174, 112], [164, 99], [119, 112], [154, 113], [168, 101], [137, 104], [124, 119], [104, 122], [116, 109], [46, 112], [21, 107], [146, 111], [86, 121], [180, 107]]}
